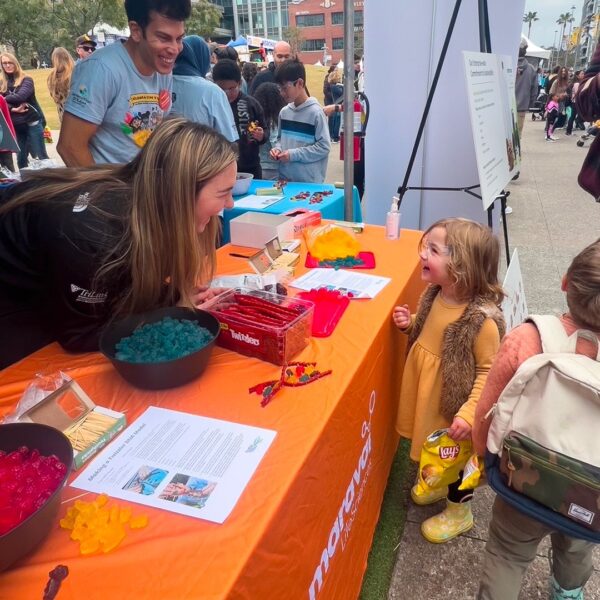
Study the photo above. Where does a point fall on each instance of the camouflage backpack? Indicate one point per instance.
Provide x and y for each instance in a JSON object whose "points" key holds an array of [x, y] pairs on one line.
{"points": [[543, 446]]}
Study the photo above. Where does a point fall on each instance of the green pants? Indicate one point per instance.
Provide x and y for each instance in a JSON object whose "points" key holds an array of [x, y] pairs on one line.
{"points": [[512, 545]]}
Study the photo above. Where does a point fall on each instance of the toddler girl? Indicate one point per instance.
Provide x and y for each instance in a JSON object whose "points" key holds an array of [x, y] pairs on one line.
{"points": [[452, 342], [552, 109]]}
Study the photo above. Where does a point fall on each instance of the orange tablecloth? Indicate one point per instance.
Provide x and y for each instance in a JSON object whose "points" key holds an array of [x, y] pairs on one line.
{"points": [[304, 524]]}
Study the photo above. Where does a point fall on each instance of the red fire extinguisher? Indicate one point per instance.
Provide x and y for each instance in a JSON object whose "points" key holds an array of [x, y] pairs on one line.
{"points": [[360, 118]]}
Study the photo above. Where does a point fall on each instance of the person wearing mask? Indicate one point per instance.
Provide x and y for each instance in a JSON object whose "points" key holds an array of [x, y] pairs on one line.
{"points": [[121, 92], [81, 246]]}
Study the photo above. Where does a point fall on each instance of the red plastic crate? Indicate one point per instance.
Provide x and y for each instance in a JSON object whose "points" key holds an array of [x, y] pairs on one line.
{"points": [[248, 336]]}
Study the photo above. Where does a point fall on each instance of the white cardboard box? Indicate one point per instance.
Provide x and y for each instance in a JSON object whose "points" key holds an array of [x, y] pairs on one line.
{"points": [[254, 229]]}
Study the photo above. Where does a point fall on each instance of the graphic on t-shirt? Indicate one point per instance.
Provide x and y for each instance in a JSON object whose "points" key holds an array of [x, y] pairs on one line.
{"points": [[146, 111]]}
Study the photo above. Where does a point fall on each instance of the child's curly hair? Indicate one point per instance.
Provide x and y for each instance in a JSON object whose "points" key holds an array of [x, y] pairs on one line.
{"points": [[474, 259]]}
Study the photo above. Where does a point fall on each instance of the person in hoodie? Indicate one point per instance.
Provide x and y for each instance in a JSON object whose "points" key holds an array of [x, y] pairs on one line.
{"points": [[303, 142], [526, 86], [194, 97], [248, 115]]}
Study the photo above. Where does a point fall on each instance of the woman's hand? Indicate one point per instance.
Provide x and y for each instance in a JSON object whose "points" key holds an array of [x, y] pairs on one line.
{"points": [[21, 108], [459, 430], [200, 295], [401, 316]]}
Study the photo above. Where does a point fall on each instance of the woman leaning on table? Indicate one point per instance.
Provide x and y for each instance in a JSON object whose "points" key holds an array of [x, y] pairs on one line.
{"points": [[19, 92], [81, 246]]}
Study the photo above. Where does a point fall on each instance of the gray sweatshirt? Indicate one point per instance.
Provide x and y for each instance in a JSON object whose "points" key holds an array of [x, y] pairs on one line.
{"points": [[526, 85], [304, 133]]}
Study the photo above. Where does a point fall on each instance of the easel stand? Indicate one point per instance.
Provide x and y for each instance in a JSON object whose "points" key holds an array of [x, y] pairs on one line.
{"points": [[485, 46]]}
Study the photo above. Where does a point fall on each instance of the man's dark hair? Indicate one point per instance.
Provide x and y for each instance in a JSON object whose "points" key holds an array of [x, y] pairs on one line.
{"points": [[227, 70], [139, 10], [290, 70], [226, 52]]}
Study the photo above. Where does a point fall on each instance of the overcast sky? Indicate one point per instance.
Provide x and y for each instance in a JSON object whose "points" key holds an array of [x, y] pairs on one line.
{"points": [[548, 11]]}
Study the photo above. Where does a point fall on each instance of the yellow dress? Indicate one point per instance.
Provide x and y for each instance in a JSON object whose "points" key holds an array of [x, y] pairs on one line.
{"points": [[419, 404]]}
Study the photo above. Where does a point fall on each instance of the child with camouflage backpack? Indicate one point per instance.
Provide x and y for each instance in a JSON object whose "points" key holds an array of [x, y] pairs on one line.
{"points": [[514, 536]]}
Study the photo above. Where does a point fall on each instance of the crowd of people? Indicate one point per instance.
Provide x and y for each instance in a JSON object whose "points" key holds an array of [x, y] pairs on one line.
{"points": [[153, 133]]}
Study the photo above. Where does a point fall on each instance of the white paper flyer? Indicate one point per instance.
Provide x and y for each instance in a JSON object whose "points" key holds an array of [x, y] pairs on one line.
{"points": [[184, 463], [254, 202], [360, 285]]}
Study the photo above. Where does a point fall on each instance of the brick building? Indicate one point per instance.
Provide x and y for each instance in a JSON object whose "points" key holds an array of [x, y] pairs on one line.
{"points": [[322, 26]]}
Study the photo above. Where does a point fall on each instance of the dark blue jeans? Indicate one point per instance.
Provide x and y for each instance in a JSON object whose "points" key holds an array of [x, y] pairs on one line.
{"points": [[334, 122], [31, 141]]}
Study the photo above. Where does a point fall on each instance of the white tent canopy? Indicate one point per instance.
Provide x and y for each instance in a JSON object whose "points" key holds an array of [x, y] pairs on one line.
{"points": [[535, 51]]}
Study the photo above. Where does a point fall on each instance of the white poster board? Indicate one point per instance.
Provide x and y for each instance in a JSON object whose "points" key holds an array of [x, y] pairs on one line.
{"points": [[510, 114], [183, 463], [514, 305], [486, 91]]}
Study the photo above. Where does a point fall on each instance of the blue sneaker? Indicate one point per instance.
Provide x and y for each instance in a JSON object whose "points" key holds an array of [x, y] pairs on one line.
{"points": [[558, 593]]}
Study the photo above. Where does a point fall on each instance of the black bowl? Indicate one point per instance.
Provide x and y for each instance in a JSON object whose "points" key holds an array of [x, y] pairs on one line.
{"points": [[26, 536], [164, 374]]}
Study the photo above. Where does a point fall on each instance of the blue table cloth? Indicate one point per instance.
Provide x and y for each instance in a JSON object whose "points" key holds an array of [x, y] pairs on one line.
{"points": [[331, 207]]}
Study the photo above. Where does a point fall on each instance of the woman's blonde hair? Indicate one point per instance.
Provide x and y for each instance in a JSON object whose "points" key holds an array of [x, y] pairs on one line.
{"points": [[583, 287], [335, 76], [474, 259], [18, 75], [160, 254], [59, 80]]}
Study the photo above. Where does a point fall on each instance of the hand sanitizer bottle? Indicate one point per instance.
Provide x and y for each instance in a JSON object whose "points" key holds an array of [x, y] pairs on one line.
{"points": [[392, 221]]}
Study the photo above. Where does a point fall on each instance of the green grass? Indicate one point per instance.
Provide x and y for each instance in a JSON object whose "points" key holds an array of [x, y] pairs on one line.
{"points": [[42, 94], [390, 527]]}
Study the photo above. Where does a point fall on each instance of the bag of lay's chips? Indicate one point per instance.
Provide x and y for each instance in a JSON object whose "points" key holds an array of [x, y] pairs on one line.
{"points": [[442, 460], [472, 473]]}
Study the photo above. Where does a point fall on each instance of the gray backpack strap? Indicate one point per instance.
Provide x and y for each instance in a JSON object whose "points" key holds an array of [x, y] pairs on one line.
{"points": [[552, 333]]}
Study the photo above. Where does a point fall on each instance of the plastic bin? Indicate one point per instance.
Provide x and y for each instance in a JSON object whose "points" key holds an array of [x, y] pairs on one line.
{"points": [[267, 326]]}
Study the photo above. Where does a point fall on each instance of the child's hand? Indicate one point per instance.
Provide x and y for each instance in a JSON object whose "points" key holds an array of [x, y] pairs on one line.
{"points": [[401, 316], [257, 134], [459, 430], [274, 153]]}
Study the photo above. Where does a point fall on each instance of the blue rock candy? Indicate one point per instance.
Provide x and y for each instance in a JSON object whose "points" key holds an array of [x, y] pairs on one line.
{"points": [[167, 339]]}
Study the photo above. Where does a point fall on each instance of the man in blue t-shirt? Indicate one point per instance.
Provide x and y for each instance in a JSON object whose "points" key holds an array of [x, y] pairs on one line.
{"points": [[122, 92]]}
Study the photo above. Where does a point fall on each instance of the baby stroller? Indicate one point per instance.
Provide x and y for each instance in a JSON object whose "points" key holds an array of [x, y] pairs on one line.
{"points": [[539, 106], [592, 131]]}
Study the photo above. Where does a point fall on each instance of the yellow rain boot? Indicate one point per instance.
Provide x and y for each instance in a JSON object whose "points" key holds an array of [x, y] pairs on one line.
{"points": [[457, 518], [425, 498]]}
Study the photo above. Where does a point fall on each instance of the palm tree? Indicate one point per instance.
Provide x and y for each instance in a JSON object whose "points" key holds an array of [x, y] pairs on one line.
{"points": [[562, 21], [530, 17]]}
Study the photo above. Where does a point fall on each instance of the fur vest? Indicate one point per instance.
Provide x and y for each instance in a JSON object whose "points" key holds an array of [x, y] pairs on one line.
{"points": [[458, 361]]}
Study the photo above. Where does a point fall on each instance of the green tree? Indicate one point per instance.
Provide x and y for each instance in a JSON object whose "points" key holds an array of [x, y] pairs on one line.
{"points": [[562, 20], [205, 18], [20, 23], [294, 37], [529, 18], [76, 17]]}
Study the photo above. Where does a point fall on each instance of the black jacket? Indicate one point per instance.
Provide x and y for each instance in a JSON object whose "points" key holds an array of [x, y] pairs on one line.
{"points": [[266, 76], [49, 255], [245, 111]]}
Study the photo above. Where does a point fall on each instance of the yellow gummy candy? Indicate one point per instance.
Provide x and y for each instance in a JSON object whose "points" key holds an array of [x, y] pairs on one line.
{"points": [[101, 500], [67, 522], [138, 522], [125, 515], [89, 546]]}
